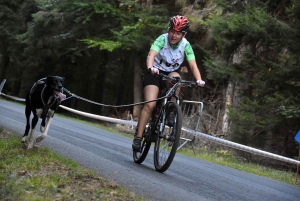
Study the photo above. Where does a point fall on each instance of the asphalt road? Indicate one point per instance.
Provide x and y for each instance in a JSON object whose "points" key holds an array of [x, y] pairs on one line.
{"points": [[110, 156]]}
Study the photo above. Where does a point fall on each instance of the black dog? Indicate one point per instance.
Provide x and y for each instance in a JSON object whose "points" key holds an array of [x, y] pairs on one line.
{"points": [[43, 99]]}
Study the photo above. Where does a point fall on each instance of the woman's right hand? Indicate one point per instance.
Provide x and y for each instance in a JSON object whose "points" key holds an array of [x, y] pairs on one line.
{"points": [[154, 70], [200, 83]]}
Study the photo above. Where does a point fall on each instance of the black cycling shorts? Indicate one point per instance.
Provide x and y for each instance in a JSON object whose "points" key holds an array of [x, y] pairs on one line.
{"points": [[150, 79]]}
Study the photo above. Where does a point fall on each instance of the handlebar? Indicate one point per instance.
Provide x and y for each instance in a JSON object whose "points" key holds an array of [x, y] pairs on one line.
{"points": [[187, 83], [178, 79]]}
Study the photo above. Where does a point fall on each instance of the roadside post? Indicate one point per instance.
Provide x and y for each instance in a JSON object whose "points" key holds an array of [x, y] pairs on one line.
{"points": [[1, 85], [297, 138]]}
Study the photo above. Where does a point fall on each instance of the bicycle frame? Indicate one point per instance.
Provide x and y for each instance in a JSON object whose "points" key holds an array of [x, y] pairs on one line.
{"points": [[170, 92]]}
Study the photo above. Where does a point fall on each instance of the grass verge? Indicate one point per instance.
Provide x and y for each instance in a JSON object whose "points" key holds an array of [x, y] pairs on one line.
{"points": [[43, 175], [225, 158]]}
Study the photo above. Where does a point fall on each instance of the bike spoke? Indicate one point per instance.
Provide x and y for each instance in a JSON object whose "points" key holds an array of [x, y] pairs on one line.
{"points": [[164, 151], [139, 156], [166, 144]]}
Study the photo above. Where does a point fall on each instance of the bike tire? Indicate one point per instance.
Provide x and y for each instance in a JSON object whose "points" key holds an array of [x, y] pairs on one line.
{"points": [[165, 149], [139, 157]]}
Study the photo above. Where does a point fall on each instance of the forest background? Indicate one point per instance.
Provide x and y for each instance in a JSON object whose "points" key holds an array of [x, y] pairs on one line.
{"points": [[247, 52]]}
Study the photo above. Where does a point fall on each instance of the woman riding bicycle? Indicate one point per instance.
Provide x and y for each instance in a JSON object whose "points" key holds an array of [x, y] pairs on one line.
{"points": [[165, 56]]}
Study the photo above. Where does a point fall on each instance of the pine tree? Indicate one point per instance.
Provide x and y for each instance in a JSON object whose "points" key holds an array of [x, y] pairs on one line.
{"points": [[262, 34]]}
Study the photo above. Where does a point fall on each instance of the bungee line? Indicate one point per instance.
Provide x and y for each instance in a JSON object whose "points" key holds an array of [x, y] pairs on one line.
{"points": [[101, 104]]}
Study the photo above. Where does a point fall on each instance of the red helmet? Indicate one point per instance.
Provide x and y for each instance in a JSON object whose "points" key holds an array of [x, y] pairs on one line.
{"points": [[179, 23]]}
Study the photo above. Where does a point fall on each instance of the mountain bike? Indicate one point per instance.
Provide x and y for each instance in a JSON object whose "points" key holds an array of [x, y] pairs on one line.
{"points": [[161, 130]]}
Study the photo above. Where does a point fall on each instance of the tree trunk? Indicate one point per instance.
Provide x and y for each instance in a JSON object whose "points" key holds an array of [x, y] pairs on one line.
{"points": [[137, 88], [228, 103], [234, 89]]}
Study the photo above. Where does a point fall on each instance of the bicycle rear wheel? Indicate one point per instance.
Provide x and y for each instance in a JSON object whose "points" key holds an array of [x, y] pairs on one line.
{"points": [[167, 143], [139, 156]]}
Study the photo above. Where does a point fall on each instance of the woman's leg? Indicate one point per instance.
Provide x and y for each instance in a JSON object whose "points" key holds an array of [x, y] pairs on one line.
{"points": [[150, 93]]}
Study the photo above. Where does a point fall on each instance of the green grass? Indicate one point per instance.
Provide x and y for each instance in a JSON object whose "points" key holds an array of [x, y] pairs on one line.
{"points": [[225, 158], [29, 175]]}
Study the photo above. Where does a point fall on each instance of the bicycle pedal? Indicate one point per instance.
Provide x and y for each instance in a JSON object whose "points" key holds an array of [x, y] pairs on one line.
{"points": [[170, 144], [170, 138]]}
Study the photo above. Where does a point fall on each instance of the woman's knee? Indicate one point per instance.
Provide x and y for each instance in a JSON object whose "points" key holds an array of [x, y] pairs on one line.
{"points": [[174, 74], [149, 107]]}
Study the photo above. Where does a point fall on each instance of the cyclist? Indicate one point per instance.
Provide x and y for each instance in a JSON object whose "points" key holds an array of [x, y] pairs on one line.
{"points": [[166, 55]]}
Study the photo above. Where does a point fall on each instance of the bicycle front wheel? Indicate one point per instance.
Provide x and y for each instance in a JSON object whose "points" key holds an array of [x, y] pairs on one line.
{"points": [[139, 156], [167, 143]]}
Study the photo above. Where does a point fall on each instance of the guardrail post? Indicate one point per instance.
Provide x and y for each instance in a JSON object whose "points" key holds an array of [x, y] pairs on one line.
{"points": [[185, 110], [2, 85], [297, 173]]}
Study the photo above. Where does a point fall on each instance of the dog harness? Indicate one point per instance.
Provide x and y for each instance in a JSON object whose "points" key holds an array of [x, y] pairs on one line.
{"points": [[46, 106]]}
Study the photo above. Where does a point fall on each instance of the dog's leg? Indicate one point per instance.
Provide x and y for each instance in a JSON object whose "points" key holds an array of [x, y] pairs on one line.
{"points": [[27, 114], [45, 115], [45, 119], [45, 133], [31, 135], [48, 122], [43, 125]]}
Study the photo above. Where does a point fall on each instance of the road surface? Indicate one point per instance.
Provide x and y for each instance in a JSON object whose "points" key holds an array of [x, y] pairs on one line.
{"points": [[110, 156]]}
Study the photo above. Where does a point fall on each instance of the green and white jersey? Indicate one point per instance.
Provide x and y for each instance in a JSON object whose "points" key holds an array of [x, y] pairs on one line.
{"points": [[170, 58]]}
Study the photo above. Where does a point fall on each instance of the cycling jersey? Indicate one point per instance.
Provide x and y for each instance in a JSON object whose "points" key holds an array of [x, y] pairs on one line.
{"points": [[170, 58]]}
